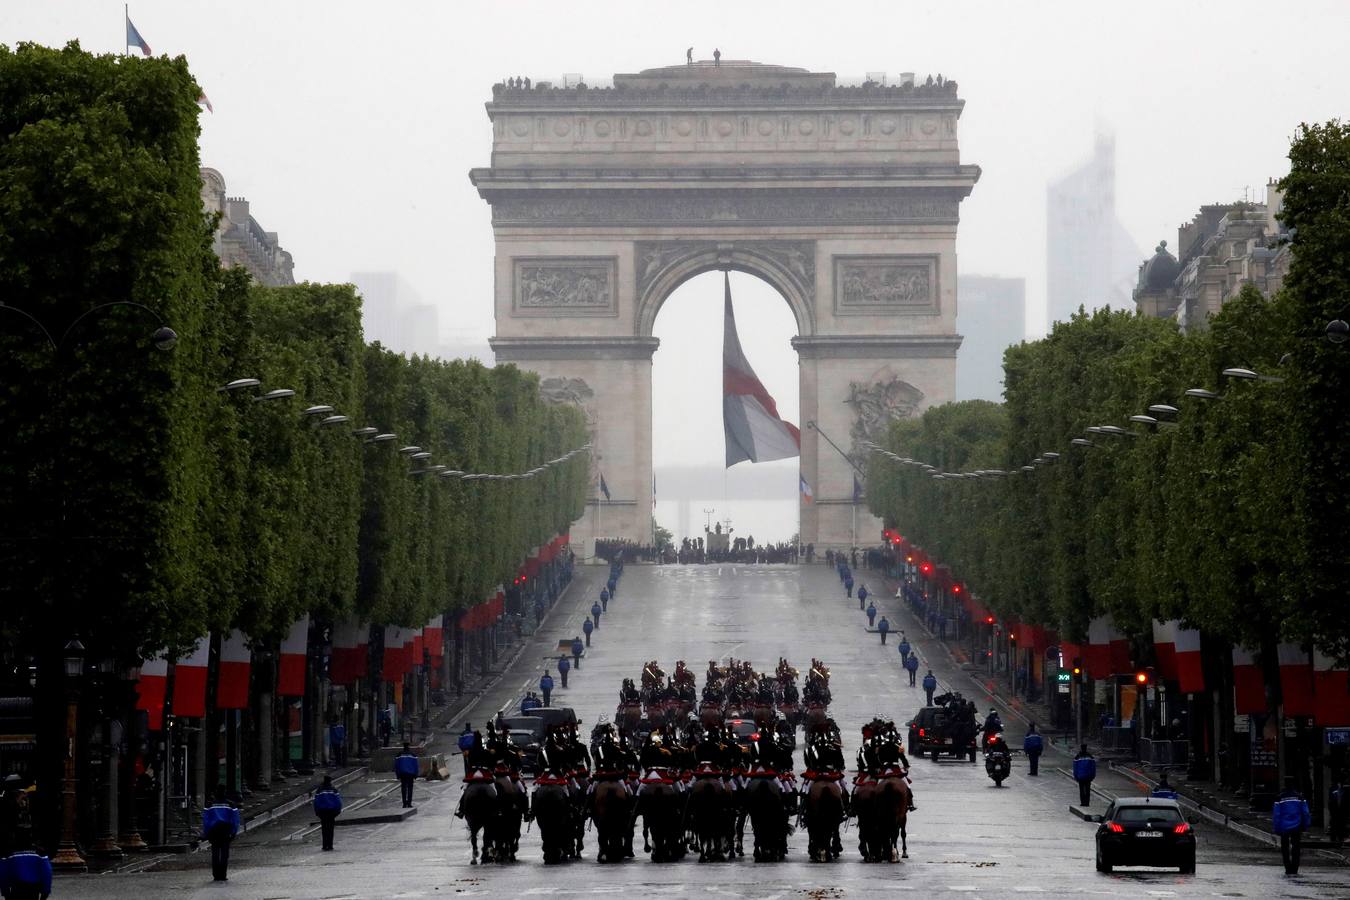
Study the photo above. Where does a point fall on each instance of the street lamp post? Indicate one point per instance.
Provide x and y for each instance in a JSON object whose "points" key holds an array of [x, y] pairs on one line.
{"points": [[68, 854]]}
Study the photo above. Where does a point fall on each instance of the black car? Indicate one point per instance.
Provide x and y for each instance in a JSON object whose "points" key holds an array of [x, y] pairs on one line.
{"points": [[527, 734], [1144, 831], [553, 715], [932, 731]]}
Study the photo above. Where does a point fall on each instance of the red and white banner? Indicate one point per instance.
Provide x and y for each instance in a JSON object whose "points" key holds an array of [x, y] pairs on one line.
{"points": [[150, 690], [350, 652], [395, 657], [232, 672], [1179, 655], [189, 681], [433, 637], [1108, 649], [1332, 687], [1249, 687], [291, 667], [754, 430], [412, 646], [1296, 680]]}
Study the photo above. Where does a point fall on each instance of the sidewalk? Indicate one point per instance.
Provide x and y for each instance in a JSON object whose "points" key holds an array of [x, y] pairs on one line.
{"points": [[1120, 774], [259, 808]]}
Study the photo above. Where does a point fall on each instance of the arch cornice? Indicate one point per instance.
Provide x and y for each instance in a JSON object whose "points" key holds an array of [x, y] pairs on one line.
{"points": [[788, 266]]}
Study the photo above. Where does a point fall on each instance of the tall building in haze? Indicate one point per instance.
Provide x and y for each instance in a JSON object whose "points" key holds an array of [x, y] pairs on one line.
{"points": [[990, 317], [1090, 259], [395, 315]]}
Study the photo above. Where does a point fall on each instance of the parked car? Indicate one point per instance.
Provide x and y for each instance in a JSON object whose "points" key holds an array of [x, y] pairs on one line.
{"points": [[932, 731], [1144, 831], [527, 734]]}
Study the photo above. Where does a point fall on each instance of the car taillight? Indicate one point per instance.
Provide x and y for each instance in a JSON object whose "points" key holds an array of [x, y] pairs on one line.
{"points": [[1182, 828], [755, 736], [921, 732], [1116, 827]]}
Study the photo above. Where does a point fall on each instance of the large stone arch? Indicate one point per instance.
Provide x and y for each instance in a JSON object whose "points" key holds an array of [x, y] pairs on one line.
{"points": [[844, 199], [786, 266]]}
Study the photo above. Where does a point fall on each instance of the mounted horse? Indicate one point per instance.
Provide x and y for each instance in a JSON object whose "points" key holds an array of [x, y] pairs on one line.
{"points": [[710, 814], [551, 808], [661, 805]]}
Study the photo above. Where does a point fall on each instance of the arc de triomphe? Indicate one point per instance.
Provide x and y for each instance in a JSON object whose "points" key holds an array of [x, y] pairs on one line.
{"points": [[844, 199]]}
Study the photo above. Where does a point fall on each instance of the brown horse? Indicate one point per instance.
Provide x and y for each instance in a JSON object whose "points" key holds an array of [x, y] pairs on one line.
{"points": [[611, 809], [710, 813], [710, 714], [479, 806], [824, 815], [882, 806]]}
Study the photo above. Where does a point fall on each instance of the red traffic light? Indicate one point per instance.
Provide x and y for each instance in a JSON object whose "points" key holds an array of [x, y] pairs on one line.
{"points": [[989, 620], [956, 589], [925, 568]]}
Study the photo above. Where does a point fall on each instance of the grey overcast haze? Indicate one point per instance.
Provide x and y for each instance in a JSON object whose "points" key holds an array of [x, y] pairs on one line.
{"points": [[351, 128]]}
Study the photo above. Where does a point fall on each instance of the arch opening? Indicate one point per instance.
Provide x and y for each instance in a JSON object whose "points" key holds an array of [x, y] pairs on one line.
{"points": [[688, 447]]}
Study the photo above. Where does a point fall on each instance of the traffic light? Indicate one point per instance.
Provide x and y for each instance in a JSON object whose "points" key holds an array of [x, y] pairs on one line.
{"points": [[1012, 636], [909, 558], [956, 589], [926, 568], [989, 620], [1077, 666], [1141, 678]]}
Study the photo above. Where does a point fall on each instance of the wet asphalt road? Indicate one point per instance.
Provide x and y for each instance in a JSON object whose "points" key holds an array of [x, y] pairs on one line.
{"points": [[967, 837]]}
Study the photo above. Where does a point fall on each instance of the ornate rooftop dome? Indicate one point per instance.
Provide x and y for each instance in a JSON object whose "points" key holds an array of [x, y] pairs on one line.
{"points": [[1159, 272]]}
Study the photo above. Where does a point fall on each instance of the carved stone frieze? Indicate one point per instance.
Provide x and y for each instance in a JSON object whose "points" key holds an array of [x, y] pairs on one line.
{"points": [[875, 405], [886, 285], [795, 260], [659, 208], [565, 287]]}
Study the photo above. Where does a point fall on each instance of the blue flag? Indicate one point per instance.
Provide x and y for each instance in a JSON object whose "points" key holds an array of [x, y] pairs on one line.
{"points": [[604, 488]]}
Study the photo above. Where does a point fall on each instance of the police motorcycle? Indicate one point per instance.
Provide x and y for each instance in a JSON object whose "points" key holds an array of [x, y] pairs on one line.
{"points": [[997, 759]]}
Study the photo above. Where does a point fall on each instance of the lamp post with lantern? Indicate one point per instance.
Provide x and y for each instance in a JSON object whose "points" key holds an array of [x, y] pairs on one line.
{"points": [[68, 856]]}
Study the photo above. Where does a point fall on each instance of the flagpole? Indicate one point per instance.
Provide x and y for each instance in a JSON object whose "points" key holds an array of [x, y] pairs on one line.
{"points": [[126, 17]]}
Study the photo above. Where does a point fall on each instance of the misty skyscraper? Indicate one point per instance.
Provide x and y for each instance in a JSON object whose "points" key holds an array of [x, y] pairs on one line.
{"points": [[1090, 259]]}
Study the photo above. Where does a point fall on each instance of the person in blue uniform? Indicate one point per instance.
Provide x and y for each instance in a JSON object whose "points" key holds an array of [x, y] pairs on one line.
{"points": [[1289, 818], [1084, 771], [884, 626], [563, 668], [871, 614], [862, 595], [25, 874], [604, 604], [1033, 745], [337, 743], [220, 823], [912, 667], [327, 806], [848, 585], [930, 685], [586, 628], [405, 767], [577, 649], [546, 686]]}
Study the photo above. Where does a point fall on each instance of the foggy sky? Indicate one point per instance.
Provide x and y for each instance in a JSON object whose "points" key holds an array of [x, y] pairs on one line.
{"points": [[352, 126]]}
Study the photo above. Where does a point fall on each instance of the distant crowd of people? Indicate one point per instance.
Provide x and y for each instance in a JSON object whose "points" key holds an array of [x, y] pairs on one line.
{"points": [[695, 551]]}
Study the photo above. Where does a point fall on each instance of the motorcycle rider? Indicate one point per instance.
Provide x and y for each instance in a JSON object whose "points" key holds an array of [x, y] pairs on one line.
{"points": [[993, 725]]}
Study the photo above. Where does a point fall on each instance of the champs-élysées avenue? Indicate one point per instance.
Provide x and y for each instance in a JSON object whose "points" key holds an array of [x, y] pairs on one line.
{"points": [[756, 449]]}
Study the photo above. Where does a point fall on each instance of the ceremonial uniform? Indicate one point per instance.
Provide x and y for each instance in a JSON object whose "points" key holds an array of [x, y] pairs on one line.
{"points": [[220, 823], [327, 806], [405, 767]]}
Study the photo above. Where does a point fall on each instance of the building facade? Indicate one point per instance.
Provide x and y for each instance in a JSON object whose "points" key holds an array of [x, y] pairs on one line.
{"points": [[240, 240], [990, 319], [1224, 247]]}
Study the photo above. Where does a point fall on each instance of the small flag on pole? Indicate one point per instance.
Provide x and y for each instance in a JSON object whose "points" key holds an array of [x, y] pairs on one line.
{"points": [[604, 488], [807, 496], [134, 38]]}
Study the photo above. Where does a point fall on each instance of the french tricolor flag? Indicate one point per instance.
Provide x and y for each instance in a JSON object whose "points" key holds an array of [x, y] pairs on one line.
{"points": [[750, 418], [134, 38]]}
